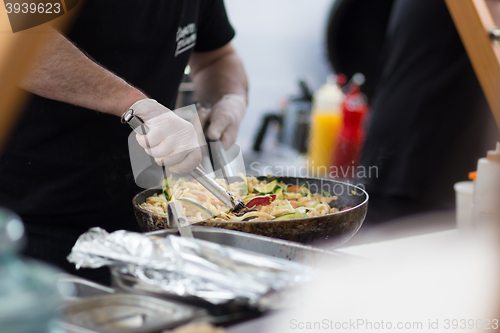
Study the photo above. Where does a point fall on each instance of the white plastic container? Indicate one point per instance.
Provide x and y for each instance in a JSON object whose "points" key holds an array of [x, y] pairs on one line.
{"points": [[487, 188], [464, 193]]}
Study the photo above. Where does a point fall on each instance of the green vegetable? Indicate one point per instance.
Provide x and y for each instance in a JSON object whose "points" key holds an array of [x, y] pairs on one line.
{"points": [[166, 188], [326, 194], [189, 203], [290, 216], [279, 189], [266, 188], [279, 192], [243, 189], [167, 196]]}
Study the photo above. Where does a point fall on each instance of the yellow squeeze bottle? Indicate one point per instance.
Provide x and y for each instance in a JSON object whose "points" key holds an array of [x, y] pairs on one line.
{"points": [[325, 124]]}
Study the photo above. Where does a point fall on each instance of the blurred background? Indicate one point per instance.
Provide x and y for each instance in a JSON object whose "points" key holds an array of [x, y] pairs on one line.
{"points": [[280, 42], [424, 122]]}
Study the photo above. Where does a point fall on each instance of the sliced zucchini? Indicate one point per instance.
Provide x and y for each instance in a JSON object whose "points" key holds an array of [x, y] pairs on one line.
{"points": [[266, 188], [290, 216], [196, 206], [279, 189], [300, 215], [279, 192]]}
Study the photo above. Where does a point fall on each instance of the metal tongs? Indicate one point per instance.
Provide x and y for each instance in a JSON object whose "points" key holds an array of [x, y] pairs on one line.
{"points": [[234, 204], [174, 214]]}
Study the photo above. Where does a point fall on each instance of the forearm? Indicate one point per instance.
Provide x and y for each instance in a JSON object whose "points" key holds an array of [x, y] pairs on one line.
{"points": [[62, 72], [222, 76], [217, 74]]}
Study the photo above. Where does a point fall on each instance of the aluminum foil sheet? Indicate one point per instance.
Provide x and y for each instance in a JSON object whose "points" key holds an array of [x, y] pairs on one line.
{"points": [[188, 266]]}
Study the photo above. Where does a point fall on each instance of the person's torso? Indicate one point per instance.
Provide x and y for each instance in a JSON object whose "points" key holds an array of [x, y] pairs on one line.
{"points": [[72, 160]]}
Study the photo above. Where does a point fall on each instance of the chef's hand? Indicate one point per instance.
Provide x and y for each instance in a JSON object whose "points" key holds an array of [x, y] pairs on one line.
{"points": [[171, 140], [225, 119]]}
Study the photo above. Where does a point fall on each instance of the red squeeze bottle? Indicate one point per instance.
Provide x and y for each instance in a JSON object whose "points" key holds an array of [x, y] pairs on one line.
{"points": [[346, 153]]}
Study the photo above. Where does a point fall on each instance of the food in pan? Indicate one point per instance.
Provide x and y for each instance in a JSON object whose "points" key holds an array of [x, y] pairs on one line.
{"points": [[265, 200]]}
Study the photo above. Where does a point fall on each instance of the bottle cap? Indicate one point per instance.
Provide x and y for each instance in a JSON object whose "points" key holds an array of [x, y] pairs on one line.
{"points": [[341, 80], [494, 155], [354, 109], [328, 97]]}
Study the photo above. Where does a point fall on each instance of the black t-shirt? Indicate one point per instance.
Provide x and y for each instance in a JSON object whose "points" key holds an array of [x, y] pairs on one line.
{"points": [[70, 165], [428, 117]]}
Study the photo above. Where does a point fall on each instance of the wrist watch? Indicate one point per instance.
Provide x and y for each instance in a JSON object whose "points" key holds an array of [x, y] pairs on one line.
{"points": [[134, 121]]}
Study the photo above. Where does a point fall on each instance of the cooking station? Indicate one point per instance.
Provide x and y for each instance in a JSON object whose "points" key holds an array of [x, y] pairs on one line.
{"points": [[350, 261], [133, 306], [131, 144]]}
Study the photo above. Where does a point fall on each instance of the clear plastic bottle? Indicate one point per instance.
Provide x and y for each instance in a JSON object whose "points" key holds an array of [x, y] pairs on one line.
{"points": [[325, 124], [29, 297]]}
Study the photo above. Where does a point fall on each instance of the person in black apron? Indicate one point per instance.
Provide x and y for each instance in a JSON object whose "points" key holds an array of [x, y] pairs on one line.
{"points": [[66, 167], [429, 121]]}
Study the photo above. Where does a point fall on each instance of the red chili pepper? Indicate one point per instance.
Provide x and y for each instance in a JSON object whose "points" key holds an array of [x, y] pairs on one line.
{"points": [[345, 209], [261, 201]]}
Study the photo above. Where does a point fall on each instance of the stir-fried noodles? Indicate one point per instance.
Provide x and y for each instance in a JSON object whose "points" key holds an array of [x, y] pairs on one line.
{"points": [[265, 200]]}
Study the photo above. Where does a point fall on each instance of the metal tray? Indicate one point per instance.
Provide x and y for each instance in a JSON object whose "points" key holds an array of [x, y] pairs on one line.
{"points": [[288, 250], [305, 254], [75, 287], [125, 313]]}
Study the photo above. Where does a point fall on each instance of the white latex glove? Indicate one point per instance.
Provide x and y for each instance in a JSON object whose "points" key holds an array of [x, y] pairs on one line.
{"points": [[225, 119], [171, 140]]}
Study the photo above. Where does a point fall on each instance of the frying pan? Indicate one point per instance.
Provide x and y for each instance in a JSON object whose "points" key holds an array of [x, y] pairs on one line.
{"points": [[334, 228]]}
